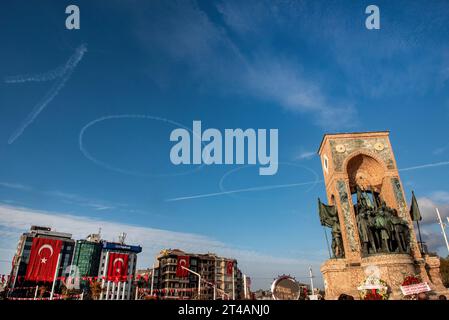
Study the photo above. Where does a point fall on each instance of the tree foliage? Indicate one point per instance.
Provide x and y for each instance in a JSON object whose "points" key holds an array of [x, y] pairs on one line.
{"points": [[96, 290], [444, 270]]}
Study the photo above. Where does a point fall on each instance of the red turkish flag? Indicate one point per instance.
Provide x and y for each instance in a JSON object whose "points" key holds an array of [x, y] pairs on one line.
{"points": [[117, 266], [183, 261], [229, 267], [43, 259]]}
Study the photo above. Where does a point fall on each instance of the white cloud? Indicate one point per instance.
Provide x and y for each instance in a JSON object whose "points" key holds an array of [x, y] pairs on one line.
{"points": [[305, 155], [427, 206], [441, 197], [440, 150], [192, 38], [72, 198], [430, 230], [16, 186], [280, 79], [260, 266]]}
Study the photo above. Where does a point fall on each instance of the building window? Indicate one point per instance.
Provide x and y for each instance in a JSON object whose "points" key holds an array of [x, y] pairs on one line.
{"points": [[326, 164]]}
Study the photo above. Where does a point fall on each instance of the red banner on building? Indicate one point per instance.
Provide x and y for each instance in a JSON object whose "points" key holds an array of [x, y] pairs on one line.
{"points": [[183, 261], [118, 266], [43, 259], [229, 267]]}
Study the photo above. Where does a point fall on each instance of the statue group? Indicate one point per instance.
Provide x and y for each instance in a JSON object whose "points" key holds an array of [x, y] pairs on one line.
{"points": [[380, 228]]}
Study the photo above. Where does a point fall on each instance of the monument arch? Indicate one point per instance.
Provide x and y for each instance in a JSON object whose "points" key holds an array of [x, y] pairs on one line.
{"points": [[368, 215]]}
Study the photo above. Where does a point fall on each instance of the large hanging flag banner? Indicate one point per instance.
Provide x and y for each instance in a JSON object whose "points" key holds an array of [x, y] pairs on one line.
{"points": [[183, 261], [117, 266], [43, 259], [229, 267]]}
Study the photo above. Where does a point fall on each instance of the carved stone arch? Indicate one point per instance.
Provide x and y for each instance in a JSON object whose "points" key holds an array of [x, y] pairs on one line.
{"points": [[366, 170]]}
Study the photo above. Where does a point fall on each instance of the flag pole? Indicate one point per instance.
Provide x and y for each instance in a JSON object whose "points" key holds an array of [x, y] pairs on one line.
{"points": [[244, 286], [420, 238], [233, 282], [152, 281], [35, 292], [54, 278], [327, 243], [199, 279], [442, 228]]}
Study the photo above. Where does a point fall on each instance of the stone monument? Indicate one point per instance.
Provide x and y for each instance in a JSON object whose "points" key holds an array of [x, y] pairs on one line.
{"points": [[367, 212]]}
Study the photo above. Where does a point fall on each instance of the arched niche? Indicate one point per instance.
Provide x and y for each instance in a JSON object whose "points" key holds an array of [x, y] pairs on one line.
{"points": [[365, 171]]}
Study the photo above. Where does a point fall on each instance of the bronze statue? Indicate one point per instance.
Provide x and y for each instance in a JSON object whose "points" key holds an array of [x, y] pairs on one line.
{"points": [[365, 233], [337, 243], [329, 218], [365, 222], [402, 233], [380, 227]]}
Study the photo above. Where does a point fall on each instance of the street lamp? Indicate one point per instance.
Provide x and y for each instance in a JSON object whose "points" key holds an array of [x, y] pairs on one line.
{"points": [[214, 286], [199, 279]]}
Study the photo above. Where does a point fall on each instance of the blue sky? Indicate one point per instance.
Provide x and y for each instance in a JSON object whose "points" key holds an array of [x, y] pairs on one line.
{"points": [[303, 67]]}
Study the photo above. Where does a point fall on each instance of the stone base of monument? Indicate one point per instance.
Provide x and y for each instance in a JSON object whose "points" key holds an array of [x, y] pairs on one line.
{"points": [[343, 276]]}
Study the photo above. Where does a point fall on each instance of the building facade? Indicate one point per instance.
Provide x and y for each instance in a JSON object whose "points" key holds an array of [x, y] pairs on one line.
{"points": [[86, 259], [123, 288], [220, 277], [22, 257]]}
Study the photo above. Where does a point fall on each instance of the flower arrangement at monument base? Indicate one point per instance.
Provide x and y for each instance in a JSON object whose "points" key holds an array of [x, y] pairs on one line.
{"points": [[411, 279], [412, 285], [373, 288]]}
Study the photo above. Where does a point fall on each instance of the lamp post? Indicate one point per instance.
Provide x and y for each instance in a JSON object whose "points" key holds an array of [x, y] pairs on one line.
{"points": [[199, 279], [55, 277], [152, 281], [442, 225], [311, 280], [213, 286]]}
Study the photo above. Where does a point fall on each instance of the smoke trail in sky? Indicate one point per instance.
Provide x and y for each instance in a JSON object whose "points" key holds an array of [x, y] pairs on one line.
{"points": [[428, 165], [108, 166], [42, 77], [278, 186], [253, 189], [290, 185], [67, 71]]}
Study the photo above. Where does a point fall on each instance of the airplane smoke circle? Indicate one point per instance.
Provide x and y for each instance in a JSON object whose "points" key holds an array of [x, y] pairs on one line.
{"points": [[110, 167]]}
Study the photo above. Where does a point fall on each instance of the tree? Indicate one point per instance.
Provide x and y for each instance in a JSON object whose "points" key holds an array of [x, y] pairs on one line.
{"points": [[42, 290], [69, 293], [444, 270], [95, 290]]}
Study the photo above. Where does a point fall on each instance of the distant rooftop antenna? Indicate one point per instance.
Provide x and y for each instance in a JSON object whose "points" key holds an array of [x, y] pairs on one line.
{"points": [[121, 238], [99, 232]]}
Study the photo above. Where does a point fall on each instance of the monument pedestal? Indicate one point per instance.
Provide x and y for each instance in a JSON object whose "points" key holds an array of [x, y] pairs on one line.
{"points": [[342, 276]]}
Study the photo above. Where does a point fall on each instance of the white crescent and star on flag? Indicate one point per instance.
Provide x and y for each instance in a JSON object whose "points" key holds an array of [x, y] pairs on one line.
{"points": [[118, 269], [183, 262], [45, 246]]}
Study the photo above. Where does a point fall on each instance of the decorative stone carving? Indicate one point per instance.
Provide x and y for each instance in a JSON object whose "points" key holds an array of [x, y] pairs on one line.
{"points": [[341, 186], [379, 146]]}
